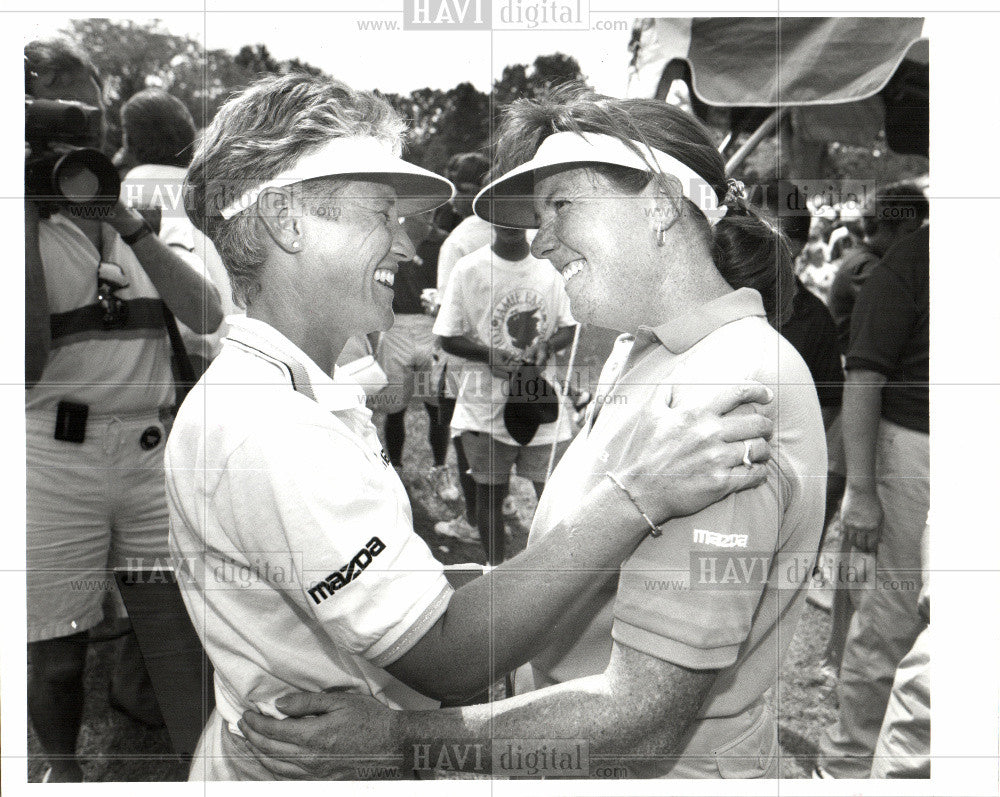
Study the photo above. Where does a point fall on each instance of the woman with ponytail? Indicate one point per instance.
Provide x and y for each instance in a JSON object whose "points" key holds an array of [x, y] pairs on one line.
{"points": [[634, 209], [661, 668]]}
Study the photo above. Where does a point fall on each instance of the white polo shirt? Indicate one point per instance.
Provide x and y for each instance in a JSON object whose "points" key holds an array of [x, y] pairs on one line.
{"points": [[292, 536]]}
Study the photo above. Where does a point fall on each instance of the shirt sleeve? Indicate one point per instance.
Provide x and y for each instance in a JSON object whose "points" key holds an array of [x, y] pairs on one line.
{"points": [[882, 322], [312, 496], [689, 596], [451, 320], [179, 233], [449, 255]]}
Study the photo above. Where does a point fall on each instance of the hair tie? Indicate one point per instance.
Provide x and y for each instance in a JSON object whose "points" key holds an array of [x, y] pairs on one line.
{"points": [[735, 190]]}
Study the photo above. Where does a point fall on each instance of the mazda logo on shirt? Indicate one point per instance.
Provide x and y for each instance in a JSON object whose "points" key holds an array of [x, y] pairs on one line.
{"points": [[340, 578]]}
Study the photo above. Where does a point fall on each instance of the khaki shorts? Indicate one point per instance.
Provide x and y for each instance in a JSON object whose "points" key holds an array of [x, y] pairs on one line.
{"points": [[91, 506], [490, 460], [408, 354]]}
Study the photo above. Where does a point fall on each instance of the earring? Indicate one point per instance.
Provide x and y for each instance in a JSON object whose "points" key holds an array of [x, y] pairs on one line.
{"points": [[661, 234], [295, 244]]}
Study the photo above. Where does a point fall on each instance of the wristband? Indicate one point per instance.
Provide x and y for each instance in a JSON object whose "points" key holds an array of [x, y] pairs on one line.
{"points": [[653, 528], [134, 237]]}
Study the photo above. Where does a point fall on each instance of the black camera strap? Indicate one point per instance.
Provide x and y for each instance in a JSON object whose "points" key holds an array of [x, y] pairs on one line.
{"points": [[183, 370], [184, 376]]}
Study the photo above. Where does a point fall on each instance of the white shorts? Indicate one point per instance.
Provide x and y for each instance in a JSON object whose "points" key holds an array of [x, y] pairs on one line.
{"points": [[91, 506], [408, 354]]}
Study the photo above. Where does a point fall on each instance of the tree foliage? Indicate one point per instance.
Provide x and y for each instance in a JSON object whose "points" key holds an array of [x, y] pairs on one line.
{"points": [[134, 55], [520, 81]]}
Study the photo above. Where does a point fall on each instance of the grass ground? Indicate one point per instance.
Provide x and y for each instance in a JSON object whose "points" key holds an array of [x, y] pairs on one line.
{"points": [[114, 748]]}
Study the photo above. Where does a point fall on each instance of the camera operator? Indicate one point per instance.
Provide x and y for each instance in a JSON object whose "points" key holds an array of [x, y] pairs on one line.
{"points": [[158, 135], [98, 405]]}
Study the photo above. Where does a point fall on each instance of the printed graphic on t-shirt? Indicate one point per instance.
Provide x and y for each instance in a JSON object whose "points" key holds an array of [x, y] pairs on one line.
{"points": [[518, 320]]}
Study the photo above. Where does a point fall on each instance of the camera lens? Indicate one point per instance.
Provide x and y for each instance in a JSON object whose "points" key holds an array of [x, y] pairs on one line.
{"points": [[77, 183], [86, 176]]}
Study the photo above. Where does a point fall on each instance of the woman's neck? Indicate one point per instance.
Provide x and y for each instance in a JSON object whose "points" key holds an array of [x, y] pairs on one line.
{"points": [[321, 342], [691, 282]]}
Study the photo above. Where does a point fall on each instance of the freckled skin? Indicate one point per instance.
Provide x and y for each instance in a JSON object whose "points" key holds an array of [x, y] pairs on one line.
{"points": [[589, 218]]}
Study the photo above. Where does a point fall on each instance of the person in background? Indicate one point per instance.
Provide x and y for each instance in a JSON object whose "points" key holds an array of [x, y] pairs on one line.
{"points": [[903, 749], [407, 354], [503, 309], [885, 506], [98, 403], [812, 331], [446, 217], [813, 266], [810, 327], [158, 135], [890, 214], [471, 233]]}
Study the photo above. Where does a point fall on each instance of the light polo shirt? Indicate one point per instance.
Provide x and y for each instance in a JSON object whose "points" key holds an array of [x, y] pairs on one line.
{"points": [[292, 535], [122, 370], [723, 588]]}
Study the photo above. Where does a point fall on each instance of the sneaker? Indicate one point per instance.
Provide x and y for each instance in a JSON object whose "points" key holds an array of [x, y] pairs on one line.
{"points": [[440, 479], [457, 528]]}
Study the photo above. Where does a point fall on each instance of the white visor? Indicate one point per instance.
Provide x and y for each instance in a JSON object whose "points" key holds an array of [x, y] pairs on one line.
{"points": [[358, 158], [509, 200]]}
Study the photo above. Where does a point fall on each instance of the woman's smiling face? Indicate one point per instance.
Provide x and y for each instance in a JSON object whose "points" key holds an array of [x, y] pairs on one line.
{"points": [[603, 242], [354, 244]]}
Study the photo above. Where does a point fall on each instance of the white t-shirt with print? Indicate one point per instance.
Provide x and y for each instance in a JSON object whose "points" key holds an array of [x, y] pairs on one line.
{"points": [[506, 305], [471, 234]]}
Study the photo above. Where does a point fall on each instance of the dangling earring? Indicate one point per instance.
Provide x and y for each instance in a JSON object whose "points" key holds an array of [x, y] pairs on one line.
{"points": [[662, 225]]}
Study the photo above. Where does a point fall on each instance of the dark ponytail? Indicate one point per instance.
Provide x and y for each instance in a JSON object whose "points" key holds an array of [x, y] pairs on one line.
{"points": [[750, 252]]}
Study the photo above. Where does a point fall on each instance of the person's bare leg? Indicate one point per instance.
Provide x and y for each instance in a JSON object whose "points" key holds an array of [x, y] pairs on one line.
{"points": [[55, 701], [489, 519], [395, 437], [466, 482], [437, 436]]}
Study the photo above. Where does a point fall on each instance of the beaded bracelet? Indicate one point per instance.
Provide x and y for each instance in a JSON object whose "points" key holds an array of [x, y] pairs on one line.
{"points": [[653, 528]]}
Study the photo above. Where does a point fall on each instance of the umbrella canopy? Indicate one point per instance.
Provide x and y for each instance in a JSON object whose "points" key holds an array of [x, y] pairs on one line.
{"points": [[845, 77]]}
